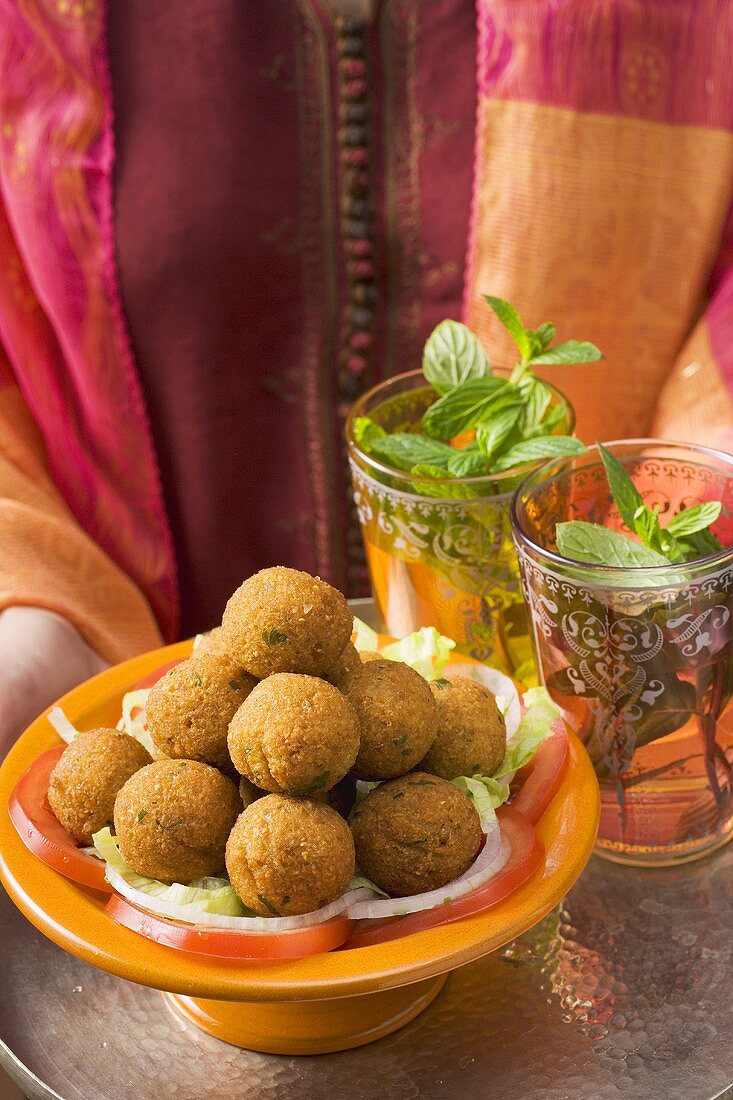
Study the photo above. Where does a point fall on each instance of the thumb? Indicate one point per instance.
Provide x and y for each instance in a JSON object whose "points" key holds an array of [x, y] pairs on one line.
{"points": [[42, 656]]}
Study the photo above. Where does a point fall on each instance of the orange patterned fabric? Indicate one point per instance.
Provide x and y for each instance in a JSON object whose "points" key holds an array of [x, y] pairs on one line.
{"points": [[695, 405], [46, 558], [636, 207]]}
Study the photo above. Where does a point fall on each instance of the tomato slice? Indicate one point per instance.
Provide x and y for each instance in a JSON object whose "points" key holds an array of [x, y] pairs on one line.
{"points": [[226, 943], [547, 772], [43, 834], [152, 678], [527, 854]]}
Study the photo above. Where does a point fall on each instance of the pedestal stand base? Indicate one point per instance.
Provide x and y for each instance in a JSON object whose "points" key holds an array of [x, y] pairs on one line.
{"points": [[308, 1027]]}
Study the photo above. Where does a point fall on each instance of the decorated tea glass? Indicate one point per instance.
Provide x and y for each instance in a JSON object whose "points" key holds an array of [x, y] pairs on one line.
{"points": [[440, 550], [639, 659]]}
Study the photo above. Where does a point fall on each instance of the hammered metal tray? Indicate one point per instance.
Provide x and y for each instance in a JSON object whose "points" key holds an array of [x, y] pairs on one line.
{"points": [[624, 991]]}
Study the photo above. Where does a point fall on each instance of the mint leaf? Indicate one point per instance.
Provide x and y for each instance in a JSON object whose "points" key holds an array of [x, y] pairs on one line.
{"points": [[405, 450], [649, 530], [531, 450], [512, 322], [444, 490], [453, 355], [555, 416], [469, 462], [365, 431], [669, 547], [695, 519], [700, 545], [462, 407], [596, 545], [646, 525], [545, 333], [538, 397], [625, 495], [640, 519], [493, 433], [573, 351]]}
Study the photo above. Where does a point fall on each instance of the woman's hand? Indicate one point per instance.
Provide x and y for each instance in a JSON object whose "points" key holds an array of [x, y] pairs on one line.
{"points": [[41, 656]]}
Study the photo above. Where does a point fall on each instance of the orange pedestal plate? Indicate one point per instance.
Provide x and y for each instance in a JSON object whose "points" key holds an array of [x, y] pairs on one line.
{"points": [[325, 1003]]}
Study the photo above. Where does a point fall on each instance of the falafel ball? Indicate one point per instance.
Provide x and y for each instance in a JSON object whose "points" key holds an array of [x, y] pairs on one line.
{"points": [[282, 620], [89, 773], [173, 818], [397, 715], [471, 731], [212, 642], [415, 833], [190, 708], [348, 660], [295, 734], [288, 855]]}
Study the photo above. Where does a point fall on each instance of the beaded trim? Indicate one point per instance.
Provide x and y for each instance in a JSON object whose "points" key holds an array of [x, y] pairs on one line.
{"points": [[356, 345]]}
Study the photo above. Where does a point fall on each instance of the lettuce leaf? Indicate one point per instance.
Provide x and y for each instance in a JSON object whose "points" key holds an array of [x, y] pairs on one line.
{"points": [[204, 895], [365, 639], [427, 651], [363, 788], [534, 728], [135, 726], [360, 882], [486, 793]]}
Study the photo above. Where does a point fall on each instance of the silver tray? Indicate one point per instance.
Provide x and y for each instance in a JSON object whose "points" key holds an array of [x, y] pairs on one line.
{"points": [[625, 991]]}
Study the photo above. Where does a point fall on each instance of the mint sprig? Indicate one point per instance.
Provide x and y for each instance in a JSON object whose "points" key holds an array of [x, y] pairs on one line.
{"points": [[491, 436], [514, 418], [532, 450], [686, 537], [534, 344], [512, 322], [597, 545]]}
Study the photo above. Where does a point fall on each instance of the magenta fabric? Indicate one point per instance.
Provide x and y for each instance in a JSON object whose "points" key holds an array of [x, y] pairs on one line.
{"points": [[611, 56], [174, 256], [213, 248], [206, 200], [60, 321]]}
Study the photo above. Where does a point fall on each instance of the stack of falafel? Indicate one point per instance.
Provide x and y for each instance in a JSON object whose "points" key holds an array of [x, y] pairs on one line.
{"points": [[278, 699]]}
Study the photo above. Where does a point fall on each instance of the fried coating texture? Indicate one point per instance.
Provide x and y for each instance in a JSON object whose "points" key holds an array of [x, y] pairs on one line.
{"points": [[346, 662], [288, 855], [296, 734], [471, 735], [91, 770], [190, 708], [173, 819], [282, 620], [397, 715], [415, 833]]}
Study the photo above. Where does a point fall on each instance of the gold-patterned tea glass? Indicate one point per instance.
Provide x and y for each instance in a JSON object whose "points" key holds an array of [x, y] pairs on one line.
{"points": [[440, 550], [639, 659]]}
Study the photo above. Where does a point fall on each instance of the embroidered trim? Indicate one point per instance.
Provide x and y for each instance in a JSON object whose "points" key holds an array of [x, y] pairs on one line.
{"points": [[320, 295], [403, 148]]}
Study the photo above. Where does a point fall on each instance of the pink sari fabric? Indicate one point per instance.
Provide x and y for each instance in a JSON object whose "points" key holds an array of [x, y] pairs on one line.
{"points": [[548, 71], [60, 318]]}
